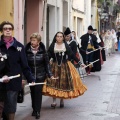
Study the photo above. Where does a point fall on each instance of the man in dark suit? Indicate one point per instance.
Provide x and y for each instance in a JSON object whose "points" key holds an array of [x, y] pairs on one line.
{"points": [[88, 44]]}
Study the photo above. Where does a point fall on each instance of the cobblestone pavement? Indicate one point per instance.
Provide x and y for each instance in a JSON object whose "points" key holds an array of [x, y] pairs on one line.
{"points": [[100, 102]]}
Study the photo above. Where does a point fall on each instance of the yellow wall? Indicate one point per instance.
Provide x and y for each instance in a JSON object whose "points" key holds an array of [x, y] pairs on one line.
{"points": [[6, 10]]}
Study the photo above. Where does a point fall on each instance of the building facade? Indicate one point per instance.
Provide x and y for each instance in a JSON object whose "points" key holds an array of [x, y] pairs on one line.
{"points": [[6, 11], [78, 16], [94, 14], [27, 18], [48, 17], [87, 14]]}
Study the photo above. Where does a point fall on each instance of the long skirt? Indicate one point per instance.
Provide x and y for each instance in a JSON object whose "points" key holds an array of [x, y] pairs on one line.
{"points": [[68, 85], [108, 46]]}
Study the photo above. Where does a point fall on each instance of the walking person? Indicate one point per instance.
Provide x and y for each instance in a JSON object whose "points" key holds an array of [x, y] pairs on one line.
{"points": [[88, 44], [38, 61], [69, 84], [4, 73], [102, 36], [114, 41], [118, 39], [18, 65], [80, 70], [99, 42], [108, 42]]}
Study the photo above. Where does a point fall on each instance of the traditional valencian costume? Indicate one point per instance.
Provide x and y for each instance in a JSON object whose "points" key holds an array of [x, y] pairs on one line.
{"points": [[69, 84]]}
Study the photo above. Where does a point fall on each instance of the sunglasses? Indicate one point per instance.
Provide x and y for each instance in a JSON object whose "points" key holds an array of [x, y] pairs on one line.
{"points": [[10, 29]]}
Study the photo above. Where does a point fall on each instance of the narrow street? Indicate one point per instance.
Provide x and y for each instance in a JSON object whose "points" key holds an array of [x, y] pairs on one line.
{"points": [[100, 102]]}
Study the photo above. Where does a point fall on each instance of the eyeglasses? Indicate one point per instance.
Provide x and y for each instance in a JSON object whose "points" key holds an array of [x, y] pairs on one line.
{"points": [[10, 29]]}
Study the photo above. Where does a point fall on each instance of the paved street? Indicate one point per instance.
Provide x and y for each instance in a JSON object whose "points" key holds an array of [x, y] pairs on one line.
{"points": [[100, 102]]}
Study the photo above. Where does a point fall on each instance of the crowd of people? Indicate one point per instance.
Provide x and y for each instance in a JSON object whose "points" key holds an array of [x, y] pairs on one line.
{"points": [[62, 67]]}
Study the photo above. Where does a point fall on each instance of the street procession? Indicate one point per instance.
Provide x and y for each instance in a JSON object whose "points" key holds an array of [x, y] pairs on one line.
{"points": [[59, 59]]}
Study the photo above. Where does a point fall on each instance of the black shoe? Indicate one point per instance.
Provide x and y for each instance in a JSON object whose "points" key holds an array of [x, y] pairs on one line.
{"points": [[53, 105], [37, 115], [33, 113], [61, 105], [4, 116]]}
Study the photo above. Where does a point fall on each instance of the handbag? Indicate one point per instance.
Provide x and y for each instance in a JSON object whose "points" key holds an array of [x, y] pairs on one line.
{"points": [[20, 97]]}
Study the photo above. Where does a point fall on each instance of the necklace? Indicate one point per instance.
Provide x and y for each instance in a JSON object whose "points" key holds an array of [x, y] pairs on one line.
{"points": [[60, 51], [60, 61]]}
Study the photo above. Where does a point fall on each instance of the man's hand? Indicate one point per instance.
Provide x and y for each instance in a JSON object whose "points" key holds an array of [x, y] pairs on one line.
{"points": [[32, 83], [23, 83], [6, 79], [100, 48], [82, 65], [51, 62], [53, 78], [87, 52]]}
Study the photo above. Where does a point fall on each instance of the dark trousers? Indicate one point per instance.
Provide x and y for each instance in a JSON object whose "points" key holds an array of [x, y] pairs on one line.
{"points": [[1, 108], [89, 57], [36, 97]]}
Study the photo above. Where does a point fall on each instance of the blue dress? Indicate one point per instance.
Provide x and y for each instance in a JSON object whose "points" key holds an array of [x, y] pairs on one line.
{"points": [[118, 45]]}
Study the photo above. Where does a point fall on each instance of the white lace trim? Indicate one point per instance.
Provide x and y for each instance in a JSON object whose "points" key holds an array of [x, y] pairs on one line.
{"points": [[63, 49]]}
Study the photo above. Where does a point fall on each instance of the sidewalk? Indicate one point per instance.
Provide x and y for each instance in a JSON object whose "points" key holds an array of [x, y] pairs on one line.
{"points": [[100, 102]]}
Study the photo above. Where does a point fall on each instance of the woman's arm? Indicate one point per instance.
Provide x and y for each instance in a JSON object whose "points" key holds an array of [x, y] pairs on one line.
{"points": [[25, 68], [47, 65], [72, 55]]}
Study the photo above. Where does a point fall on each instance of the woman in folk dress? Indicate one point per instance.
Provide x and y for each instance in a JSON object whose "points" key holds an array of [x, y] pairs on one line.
{"points": [[114, 41], [69, 84], [108, 42], [80, 70], [99, 41]]}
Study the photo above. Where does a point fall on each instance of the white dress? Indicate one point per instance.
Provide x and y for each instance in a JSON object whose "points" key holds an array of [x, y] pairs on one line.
{"points": [[108, 44]]}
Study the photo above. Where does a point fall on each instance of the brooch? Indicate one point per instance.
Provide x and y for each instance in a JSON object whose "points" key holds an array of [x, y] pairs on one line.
{"points": [[19, 48], [3, 57]]}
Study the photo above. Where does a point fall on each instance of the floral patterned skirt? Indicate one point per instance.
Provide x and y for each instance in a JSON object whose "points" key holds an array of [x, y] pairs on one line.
{"points": [[68, 85]]}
